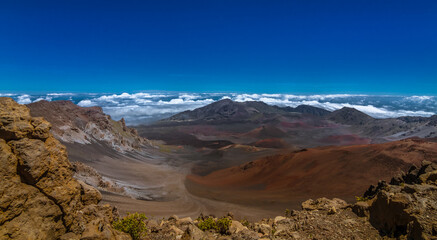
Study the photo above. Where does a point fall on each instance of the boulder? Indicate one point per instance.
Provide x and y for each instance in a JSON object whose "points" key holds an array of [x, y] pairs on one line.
{"points": [[236, 227]]}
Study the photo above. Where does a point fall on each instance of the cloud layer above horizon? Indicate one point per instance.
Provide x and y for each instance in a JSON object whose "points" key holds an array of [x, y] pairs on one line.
{"points": [[146, 107]]}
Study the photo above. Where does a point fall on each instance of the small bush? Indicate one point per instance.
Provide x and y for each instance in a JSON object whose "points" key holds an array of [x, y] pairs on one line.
{"points": [[133, 224], [223, 224], [206, 224]]}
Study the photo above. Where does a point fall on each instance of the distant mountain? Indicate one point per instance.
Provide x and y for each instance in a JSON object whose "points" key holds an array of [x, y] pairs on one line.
{"points": [[349, 116], [227, 110], [388, 128], [304, 126], [74, 124], [308, 110]]}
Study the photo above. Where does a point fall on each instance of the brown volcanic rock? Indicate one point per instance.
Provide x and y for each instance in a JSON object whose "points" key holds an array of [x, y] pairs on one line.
{"points": [[335, 171], [405, 207], [40, 199], [72, 123]]}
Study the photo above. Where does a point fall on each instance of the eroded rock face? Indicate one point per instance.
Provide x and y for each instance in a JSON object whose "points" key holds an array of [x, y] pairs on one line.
{"points": [[85, 125], [40, 199]]}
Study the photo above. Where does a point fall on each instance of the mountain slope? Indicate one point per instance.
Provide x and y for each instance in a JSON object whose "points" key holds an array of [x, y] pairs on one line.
{"points": [[336, 171]]}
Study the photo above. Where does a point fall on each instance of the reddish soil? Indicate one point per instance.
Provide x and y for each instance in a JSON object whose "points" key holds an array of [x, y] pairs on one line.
{"points": [[334, 171]]}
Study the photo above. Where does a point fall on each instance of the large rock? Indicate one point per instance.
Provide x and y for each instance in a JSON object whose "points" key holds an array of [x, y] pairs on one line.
{"points": [[407, 208], [40, 199]]}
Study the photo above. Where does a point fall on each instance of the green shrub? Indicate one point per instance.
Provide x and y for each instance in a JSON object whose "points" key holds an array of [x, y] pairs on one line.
{"points": [[223, 224], [207, 224], [133, 224]]}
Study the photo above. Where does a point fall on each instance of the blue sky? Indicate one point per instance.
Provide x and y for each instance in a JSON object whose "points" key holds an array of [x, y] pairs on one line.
{"points": [[378, 47]]}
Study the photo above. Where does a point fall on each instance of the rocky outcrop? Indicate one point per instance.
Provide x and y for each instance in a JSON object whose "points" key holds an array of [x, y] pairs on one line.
{"points": [[320, 223], [85, 125], [407, 206], [40, 199], [91, 177]]}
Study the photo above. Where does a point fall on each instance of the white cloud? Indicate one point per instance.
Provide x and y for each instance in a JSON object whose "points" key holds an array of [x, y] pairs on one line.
{"points": [[24, 99], [86, 103], [7, 94], [419, 98], [60, 94], [135, 107], [47, 98]]}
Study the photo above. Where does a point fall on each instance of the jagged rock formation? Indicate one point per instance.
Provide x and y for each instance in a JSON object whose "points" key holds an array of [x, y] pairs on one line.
{"points": [[40, 199], [85, 125], [407, 207]]}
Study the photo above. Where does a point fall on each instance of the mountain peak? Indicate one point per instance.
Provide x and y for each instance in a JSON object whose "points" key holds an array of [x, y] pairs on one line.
{"points": [[226, 110]]}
